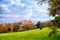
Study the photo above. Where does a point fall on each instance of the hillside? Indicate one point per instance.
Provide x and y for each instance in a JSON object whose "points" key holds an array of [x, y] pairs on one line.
{"points": [[36, 34]]}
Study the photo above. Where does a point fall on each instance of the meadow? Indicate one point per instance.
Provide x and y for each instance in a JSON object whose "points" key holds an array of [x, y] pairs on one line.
{"points": [[36, 34]]}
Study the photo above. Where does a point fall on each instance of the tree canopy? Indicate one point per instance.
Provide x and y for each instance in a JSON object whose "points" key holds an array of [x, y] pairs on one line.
{"points": [[54, 6], [54, 9]]}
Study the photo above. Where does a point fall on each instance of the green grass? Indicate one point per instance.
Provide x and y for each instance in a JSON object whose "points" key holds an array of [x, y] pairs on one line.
{"points": [[36, 34]]}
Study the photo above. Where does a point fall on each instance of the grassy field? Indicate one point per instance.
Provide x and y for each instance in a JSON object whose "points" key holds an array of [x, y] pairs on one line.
{"points": [[36, 34]]}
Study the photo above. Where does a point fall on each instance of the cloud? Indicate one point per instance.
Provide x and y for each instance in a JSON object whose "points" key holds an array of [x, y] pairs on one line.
{"points": [[28, 16], [16, 10], [12, 2]]}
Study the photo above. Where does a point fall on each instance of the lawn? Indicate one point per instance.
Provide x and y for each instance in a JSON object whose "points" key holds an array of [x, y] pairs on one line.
{"points": [[35, 34]]}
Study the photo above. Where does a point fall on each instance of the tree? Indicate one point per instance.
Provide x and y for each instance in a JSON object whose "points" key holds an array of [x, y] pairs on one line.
{"points": [[54, 6], [54, 9], [16, 27], [39, 25]]}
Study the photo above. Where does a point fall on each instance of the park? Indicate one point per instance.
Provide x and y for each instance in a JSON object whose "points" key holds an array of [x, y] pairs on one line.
{"points": [[30, 20]]}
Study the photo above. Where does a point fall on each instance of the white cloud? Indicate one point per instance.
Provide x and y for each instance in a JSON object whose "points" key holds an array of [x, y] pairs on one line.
{"points": [[22, 4], [13, 2], [31, 11], [3, 5], [28, 16]]}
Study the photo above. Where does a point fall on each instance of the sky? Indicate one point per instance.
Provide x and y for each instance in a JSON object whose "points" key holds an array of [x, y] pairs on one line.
{"points": [[17, 10]]}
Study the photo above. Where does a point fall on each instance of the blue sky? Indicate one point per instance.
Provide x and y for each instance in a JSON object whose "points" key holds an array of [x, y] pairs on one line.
{"points": [[17, 10]]}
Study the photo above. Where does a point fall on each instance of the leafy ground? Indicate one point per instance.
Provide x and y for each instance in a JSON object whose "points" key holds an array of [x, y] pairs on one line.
{"points": [[36, 34]]}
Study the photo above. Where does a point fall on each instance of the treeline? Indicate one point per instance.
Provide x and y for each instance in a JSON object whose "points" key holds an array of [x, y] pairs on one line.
{"points": [[43, 24], [22, 26]]}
